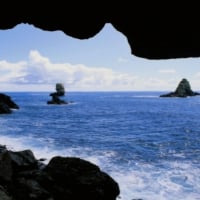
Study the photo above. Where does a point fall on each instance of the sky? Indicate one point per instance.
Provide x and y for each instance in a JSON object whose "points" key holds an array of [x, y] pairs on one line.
{"points": [[35, 60]]}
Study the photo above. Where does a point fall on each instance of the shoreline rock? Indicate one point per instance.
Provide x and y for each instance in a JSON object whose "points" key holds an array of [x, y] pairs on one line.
{"points": [[23, 177], [7, 104]]}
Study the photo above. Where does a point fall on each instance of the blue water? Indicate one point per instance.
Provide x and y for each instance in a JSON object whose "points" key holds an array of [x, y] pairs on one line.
{"points": [[149, 145]]}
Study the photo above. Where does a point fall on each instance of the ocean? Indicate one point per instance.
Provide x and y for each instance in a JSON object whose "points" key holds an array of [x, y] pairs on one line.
{"points": [[149, 145]]}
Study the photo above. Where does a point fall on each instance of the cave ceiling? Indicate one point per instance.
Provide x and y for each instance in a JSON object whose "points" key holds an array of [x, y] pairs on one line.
{"points": [[152, 31]]}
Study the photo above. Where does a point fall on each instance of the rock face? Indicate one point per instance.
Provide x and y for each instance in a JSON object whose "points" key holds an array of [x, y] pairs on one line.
{"points": [[60, 91], [183, 90], [23, 177], [7, 104], [174, 35]]}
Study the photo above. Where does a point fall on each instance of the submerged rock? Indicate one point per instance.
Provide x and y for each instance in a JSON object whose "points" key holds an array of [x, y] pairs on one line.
{"points": [[7, 104], [183, 90], [23, 177]]}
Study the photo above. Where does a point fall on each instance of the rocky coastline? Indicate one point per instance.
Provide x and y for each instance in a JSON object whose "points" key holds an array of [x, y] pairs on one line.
{"points": [[7, 104], [23, 177]]}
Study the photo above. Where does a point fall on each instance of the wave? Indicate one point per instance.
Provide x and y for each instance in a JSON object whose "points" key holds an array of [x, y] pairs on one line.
{"points": [[170, 180]]}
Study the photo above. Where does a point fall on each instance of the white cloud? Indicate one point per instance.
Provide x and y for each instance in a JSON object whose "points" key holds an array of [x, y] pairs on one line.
{"points": [[39, 71], [167, 71], [11, 71]]}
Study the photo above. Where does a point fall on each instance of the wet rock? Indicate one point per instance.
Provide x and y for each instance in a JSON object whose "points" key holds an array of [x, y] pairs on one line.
{"points": [[7, 104], [23, 178], [75, 178], [3, 194]]}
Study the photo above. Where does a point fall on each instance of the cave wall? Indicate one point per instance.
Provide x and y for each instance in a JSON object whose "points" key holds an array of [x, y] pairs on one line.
{"points": [[154, 31]]}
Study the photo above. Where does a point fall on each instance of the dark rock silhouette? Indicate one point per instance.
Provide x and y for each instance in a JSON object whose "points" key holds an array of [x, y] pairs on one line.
{"points": [[2, 148], [7, 104], [174, 35], [23, 177], [183, 90], [60, 91]]}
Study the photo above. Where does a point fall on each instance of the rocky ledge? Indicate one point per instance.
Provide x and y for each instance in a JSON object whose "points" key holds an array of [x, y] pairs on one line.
{"points": [[183, 90], [7, 104], [23, 177]]}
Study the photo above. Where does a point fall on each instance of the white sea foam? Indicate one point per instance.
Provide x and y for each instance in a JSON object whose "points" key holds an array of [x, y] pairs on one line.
{"points": [[172, 181], [152, 184]]}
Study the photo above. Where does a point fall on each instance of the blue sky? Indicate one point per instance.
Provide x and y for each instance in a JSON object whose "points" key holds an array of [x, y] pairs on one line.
{"points": [[35, 60]]}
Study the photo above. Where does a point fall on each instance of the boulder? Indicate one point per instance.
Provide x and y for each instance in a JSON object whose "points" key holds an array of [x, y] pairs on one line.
{"points": [[23, 177], [3, 194], [2, 148], [74, 178], [183, 90]]}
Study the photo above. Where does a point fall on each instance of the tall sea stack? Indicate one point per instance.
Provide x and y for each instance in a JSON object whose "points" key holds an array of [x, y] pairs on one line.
{"points": [[60, 91], [183, 90]]}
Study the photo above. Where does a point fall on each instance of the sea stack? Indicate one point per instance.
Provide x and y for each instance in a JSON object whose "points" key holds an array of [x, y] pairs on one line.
{"points": [[60, 91], [183, 90]]}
